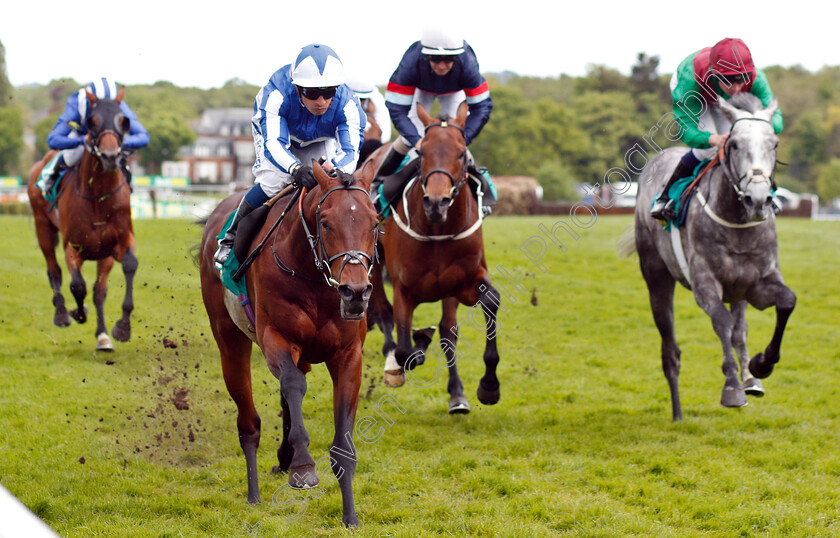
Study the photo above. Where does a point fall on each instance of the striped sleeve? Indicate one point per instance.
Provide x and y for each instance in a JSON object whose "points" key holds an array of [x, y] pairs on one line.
{"points": [[350, 134], [275, 129]]}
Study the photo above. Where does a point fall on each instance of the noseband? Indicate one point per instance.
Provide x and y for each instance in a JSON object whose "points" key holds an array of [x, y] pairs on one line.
{"points": [[456, 183], [316, 243]]}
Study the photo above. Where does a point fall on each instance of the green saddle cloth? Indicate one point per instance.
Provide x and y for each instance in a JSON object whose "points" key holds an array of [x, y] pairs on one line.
{"points": [[231, 265]]}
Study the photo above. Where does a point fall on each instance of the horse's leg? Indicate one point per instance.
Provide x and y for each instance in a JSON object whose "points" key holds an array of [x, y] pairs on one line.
{"points": [[707, 293], [284, 451], [283, 365], [406, 353], [752, 386], [122, 328], [235, 349], [47, 235], [772, 292], [488, 388], [381, 313], [661, 286], [346, 373], [100, 292], [77, 283], [458, 403]]}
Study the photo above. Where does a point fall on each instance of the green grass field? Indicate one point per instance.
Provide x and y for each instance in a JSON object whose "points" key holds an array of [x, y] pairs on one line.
{"points": [[581, 443]]}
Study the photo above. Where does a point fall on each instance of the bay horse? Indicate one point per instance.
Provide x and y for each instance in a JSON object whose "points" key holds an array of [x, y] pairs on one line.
{"points": [[303, 313], [93, 216], [725, 252], [434, 251]]}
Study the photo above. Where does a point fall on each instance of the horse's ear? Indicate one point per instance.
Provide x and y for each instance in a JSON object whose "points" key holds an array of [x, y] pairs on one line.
{"points": [[91, 97], [424, 115], [728, 110], [461, 115], [120, 94], [770, 110], [321, 176], [364, 174]]}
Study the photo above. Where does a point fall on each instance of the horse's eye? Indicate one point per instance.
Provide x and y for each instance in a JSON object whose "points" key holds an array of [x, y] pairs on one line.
{"points": [[733, 145], [324, 225]]}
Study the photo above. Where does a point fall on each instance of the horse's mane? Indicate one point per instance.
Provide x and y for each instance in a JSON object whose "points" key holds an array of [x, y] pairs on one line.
{"points": [[746, 102], [345, 179]]}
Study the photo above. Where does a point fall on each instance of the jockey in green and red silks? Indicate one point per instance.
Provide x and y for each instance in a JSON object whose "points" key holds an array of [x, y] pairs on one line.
{"points": [[704, 77]]}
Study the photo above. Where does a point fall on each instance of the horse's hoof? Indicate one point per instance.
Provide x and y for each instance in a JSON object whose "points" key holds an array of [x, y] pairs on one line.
{"points": [[254, 500], [753, 387], [104, 343], [62, 320], [487, 397], [394, 378], [423, 337], [79, 314], [459, 405], [121, 331], [733, 397], [303, 477], [760, 367], [350, 521]]}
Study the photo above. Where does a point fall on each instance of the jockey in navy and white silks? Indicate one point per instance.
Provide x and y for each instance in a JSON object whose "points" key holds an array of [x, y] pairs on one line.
{"points": [[69, 131], [443, 67], [304, 112]]}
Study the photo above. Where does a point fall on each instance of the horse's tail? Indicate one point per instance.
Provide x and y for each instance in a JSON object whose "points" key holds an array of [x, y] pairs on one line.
{"points": [[626, 245]]}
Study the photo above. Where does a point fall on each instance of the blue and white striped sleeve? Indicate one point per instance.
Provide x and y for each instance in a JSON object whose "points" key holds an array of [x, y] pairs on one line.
{"points": [[275, 129], [350, 134]]}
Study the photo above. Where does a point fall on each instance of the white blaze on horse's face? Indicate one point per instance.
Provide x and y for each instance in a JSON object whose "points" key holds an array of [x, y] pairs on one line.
{"points": [[751, 156]]}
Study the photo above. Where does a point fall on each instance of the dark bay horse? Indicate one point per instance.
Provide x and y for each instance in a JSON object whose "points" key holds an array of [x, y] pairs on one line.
{"points": [[93, 216], [726, 252], [434, 251], [304, 313]]}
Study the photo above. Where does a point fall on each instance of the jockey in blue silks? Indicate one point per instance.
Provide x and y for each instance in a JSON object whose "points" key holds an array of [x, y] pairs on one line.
{"points": [[69, 132], [304, 112]]}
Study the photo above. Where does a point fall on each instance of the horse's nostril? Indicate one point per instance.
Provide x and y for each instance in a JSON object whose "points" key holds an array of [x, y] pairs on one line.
{"points": [[345, 292], [748, 200], [366, 293]]}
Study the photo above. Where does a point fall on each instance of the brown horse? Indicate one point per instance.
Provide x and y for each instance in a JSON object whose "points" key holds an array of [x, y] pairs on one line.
{"points": [[434, 251], [93, 215], [303, 314]]}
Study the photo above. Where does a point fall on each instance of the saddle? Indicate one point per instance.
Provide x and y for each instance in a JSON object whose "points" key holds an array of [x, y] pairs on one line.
{"points": [[683, 189]]}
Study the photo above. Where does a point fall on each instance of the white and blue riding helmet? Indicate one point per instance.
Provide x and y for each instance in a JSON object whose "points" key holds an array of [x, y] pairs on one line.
{"points": [[317, 66], [103, 88]]}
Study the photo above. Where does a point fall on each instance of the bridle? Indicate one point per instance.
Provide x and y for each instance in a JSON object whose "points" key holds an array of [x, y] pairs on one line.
{"points": [[316, 243], [731, 174], [456, 183]]}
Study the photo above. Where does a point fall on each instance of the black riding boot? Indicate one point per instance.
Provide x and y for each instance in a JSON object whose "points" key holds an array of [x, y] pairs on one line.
{"points": [[226, 244], [663, 206], [390, 163]]}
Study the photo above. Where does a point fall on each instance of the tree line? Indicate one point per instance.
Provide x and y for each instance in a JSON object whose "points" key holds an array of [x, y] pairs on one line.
{"points": [[561, 130]]}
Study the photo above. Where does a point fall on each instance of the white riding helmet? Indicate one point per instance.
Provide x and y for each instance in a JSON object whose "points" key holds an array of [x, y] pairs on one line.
{"points": [[317, 66], [103, 88], [441, 41], [362, 88]]}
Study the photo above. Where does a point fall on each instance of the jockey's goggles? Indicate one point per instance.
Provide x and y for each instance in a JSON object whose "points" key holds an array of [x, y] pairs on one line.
{"points": [[314, 93], [436, 59], [738, 78]]}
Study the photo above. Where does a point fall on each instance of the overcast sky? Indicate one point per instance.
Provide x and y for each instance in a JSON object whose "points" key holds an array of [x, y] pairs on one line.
{"points": [[206, 43]]}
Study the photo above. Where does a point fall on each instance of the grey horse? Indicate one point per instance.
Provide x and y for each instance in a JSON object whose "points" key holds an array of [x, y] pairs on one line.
{"points": [[725, 251]]}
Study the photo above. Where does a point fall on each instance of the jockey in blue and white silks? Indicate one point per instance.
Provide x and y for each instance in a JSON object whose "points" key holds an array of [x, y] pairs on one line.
{"points": [[69, 131], [304, 112]]}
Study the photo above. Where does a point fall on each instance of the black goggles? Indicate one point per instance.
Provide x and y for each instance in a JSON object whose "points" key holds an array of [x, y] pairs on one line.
{"points": [[738, 78], [314, 93], [436, 58]]}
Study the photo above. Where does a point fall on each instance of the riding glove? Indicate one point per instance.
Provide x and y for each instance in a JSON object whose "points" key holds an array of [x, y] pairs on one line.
{"points": [[302, 176]]}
